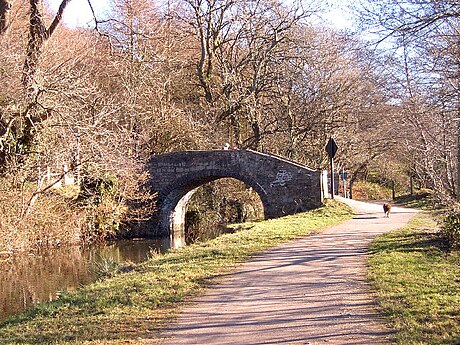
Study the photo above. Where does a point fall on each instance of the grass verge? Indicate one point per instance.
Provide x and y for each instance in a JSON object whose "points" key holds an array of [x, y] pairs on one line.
{"points": [[422, 200], [417, 284], [134, 305]]}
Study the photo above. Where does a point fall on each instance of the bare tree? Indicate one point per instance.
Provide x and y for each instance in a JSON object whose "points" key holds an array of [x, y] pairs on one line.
{"points": [[20, 120], [241, 45], [428, 29]]}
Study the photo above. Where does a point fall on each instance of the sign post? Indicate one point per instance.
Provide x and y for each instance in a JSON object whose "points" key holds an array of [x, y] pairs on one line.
{"points": [[344, 176], [331, 149]]}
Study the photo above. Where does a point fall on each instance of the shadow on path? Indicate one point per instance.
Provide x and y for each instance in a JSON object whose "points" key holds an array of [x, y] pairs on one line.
{"points": [[309, 291]]}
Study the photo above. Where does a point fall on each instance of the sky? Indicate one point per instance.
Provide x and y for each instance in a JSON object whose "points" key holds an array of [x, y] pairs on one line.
{"points": [[78, 13]]}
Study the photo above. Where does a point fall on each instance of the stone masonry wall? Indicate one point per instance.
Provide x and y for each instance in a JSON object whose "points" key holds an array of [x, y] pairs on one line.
{"points": [[283, 186]]}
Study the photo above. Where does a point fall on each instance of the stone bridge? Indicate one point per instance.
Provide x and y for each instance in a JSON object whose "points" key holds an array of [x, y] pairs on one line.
{"points": [[283, 186]]}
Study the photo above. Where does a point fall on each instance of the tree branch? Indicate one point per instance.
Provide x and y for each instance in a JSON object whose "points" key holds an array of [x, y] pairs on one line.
{"points": [[57, 18]]}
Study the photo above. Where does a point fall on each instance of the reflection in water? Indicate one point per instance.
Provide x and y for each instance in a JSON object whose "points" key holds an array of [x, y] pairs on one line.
{"points": [[33, 279]]}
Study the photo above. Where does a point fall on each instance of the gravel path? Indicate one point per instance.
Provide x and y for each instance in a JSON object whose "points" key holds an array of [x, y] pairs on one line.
{"points": [[309, 291]]}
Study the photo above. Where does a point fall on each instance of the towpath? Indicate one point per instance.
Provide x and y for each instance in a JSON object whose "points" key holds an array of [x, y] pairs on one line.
{"points": [[309, 291]]}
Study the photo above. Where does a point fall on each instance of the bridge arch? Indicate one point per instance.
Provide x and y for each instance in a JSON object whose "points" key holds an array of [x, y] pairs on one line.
{"points": [[284, 187], [176, 197]]}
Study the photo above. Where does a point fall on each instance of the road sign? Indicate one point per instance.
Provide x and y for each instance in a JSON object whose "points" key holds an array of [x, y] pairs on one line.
{"points": [[331, 148]]}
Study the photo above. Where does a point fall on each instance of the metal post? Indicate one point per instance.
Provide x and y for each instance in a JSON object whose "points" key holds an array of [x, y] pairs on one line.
{"points": [[411, 184], [332, 178], [331, 149]]}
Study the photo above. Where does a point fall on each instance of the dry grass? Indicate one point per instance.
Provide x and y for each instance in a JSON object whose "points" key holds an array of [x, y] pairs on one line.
{"points": [[51, 221]]}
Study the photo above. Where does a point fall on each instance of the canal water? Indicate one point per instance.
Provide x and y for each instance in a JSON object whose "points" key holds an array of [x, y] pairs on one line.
{"points": [[32, 279]]}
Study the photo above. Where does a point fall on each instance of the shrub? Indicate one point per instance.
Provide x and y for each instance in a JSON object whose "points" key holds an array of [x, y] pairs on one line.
{"points": [[105, 210], [370, 191], [450, 230], [52, 221], [115, 204], [31, 221]]}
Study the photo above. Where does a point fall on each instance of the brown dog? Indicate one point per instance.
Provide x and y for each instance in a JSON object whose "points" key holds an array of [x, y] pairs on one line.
{"points": [[387, 209]]}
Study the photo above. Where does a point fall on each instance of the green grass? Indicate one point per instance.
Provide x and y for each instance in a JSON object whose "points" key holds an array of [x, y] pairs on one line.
{"points": [[422, 199], [134, 305], [417, 284]]}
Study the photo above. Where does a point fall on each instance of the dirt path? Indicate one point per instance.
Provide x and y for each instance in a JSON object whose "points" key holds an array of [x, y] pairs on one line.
{"points": [[309, 291]]}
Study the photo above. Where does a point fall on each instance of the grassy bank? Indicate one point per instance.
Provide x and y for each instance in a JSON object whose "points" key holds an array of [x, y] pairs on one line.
{"points": [[417, 284], [423, 200], [131, 306]]}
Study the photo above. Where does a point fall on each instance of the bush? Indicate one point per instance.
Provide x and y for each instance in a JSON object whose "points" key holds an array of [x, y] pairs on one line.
{"points": [[115, 204], [51, 222], [450, 230], [31, 220], [370, 191], [105, 209]]}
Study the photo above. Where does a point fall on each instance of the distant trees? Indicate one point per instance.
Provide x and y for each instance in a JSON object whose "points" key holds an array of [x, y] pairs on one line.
{"points": [[255, 74], [269, 80], [427, 84]]}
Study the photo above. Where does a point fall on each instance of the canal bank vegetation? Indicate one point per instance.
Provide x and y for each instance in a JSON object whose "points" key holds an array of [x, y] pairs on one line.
{"points": [[136, 302], [447, 217], [49, 223], [41, 216], [415, 274]]}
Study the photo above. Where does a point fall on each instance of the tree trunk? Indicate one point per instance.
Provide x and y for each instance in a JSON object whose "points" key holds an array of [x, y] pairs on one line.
{"points": [[38, 34], [5, 6], [457, 189], [458, 163], [235, 123]]}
